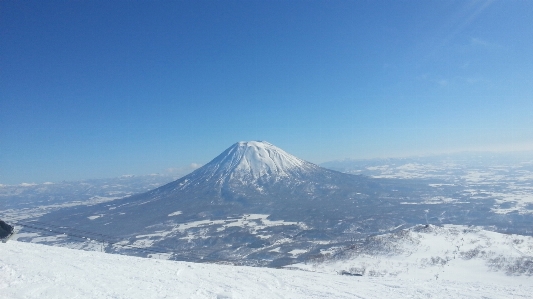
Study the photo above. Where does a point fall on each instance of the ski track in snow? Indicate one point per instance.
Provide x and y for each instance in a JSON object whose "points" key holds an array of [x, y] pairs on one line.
{"points": [[38, 271]]}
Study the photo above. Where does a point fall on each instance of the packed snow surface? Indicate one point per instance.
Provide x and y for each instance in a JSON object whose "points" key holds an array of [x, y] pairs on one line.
{"points": [[38, 271]]}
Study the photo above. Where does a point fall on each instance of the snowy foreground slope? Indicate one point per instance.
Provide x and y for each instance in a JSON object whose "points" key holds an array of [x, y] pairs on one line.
{"points": [[38, 271]]}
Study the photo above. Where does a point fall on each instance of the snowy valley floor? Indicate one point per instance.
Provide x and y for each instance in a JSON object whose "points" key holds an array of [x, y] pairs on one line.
{"points": [[38, 271]]}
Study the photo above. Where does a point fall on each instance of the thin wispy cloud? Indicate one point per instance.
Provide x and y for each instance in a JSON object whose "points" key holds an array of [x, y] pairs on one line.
{"points": [[459, 22], [478, 42]]}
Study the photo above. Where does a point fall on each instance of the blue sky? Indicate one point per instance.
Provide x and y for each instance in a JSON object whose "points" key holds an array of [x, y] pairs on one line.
{"points": [[92, 89]]}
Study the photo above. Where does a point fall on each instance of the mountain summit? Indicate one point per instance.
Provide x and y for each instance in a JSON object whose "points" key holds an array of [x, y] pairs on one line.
{"points": [[255, 159], [250, 161]]}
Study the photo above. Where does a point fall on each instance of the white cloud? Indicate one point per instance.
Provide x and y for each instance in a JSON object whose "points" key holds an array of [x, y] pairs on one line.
{"points": [[27, 184]]}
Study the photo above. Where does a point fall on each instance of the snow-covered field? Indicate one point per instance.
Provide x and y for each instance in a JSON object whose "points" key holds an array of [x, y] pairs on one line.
{"points": [[449, 252], [37, 271], [254, 222], [506, 179]]}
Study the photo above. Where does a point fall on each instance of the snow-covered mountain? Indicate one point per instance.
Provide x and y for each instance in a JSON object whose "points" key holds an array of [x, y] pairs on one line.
{"points": [[256, 204], [253, 166], [252, 161]]}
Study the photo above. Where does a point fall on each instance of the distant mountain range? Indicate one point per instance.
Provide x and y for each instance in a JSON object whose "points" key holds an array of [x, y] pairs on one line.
{"points": [[256, 204]]}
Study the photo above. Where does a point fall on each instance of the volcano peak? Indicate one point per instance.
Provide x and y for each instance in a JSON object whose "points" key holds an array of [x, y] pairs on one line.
{"points": [[249, 163], [256, 159]]}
